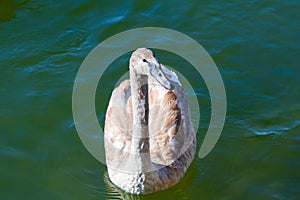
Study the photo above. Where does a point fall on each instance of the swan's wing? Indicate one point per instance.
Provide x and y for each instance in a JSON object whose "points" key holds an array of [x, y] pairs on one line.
{"points": [[170, 127], [118, 125]]}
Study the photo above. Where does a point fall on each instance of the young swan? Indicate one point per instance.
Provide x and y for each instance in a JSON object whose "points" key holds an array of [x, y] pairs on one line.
{"points": [[149, 137]]}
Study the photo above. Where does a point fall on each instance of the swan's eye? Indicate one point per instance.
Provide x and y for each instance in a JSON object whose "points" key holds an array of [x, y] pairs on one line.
{"points": [[144, 60]]}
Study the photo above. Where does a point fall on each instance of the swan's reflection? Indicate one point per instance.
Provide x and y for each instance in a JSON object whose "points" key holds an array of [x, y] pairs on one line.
{"points": [[113, 192]]}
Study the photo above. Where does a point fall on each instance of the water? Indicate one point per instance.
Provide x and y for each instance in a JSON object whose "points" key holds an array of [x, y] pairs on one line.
{"points": [[255, 45]]}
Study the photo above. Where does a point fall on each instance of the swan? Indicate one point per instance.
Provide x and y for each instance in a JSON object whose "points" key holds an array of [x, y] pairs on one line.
{"points": [[148, 135]]}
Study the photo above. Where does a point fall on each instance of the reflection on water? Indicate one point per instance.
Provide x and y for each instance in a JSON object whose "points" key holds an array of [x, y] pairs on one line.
{"points": [[179, 190], [113, 192]]}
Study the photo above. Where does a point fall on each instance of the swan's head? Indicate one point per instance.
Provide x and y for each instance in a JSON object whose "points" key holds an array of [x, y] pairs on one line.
{"points": [[143, 61]]}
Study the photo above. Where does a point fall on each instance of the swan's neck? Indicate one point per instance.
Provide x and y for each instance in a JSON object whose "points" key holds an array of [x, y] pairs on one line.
{"points": [[140, 131]]}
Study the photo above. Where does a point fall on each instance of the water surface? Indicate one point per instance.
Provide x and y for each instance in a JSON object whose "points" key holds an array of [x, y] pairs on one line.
{"points": [[255, 45]]}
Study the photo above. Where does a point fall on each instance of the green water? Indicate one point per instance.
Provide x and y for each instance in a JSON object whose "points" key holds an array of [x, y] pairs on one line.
{"points": [[255, 44]]}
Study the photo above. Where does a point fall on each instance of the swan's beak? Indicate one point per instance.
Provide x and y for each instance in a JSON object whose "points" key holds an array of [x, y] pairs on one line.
{"points": [[157, 73]]}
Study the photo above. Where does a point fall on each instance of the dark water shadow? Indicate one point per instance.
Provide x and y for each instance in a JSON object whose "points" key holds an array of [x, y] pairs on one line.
{"points": [[8, 9]]}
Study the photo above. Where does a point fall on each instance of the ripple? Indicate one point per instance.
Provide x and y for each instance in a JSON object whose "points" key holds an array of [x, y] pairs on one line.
{"points": [[277, 130], [114, 192], [13, 152]]}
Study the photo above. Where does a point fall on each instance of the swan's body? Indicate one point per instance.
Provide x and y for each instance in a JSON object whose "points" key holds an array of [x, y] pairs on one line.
{"points": [[149, 137]]}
